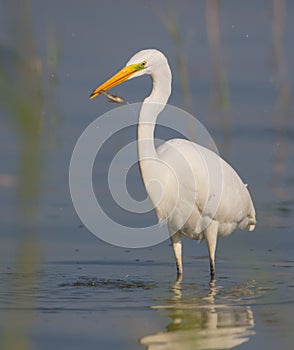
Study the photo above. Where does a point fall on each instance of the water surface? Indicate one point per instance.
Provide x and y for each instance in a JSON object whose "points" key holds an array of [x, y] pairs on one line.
{"points": [[79, 292]]}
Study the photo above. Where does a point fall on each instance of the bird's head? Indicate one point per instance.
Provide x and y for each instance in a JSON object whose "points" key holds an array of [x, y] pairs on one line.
{"points": [[143, 62]]}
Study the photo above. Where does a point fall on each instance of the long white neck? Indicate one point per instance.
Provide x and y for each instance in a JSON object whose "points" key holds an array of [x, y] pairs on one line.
{"points": [[150, 110]]}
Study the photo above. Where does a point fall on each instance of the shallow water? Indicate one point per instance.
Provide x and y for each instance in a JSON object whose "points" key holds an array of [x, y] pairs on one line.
{"points": [[130, 304], [85, 294]]}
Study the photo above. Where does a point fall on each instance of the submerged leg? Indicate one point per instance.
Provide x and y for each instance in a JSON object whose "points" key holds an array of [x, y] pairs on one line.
{"points": [[211, 239], [176, 241]]}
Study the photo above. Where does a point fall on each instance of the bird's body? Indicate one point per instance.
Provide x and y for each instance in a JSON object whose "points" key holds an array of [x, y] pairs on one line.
{"points": [[234, 208], [193, 190]]}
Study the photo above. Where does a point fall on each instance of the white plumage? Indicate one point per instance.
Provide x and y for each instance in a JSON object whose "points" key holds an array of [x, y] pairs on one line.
{"points": [[197, 193]]}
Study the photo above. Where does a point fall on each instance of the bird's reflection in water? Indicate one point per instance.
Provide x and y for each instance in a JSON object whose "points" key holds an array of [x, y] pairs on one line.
{"points": [[202, 323]]}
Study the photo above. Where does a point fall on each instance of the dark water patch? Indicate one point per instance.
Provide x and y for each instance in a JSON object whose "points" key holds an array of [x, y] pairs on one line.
{"points": [[284, 264], [284, 208], [109, 283]]}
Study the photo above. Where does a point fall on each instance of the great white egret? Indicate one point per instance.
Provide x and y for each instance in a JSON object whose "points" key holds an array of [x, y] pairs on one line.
{"points": [[197, 193]]}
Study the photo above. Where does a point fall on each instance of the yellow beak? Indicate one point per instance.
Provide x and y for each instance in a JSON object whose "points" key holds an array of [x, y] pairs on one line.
{"points": [[118, 78]]}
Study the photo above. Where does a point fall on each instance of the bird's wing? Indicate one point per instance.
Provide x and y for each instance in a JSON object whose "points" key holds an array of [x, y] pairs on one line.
{"points": [[220, 194]]}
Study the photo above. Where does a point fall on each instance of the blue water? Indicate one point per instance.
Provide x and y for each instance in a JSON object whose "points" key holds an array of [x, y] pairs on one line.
{"points": [[89, 294]]}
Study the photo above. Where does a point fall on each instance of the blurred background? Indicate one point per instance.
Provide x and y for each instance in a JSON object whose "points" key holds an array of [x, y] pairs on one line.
{"points": [[232, 64]]}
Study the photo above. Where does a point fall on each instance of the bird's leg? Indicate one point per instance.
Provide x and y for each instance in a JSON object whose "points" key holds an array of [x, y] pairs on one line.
{"points": [[176, 240], [212, 270], [211, 239]]}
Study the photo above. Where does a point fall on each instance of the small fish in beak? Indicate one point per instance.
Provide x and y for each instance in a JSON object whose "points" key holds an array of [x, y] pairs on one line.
{"points": [[112, 98]]}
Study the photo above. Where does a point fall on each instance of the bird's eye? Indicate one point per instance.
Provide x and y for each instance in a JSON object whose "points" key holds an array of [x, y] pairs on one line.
{"points": [[144, 63]]}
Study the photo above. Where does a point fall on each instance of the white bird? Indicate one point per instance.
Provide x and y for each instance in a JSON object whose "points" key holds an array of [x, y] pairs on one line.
{"points": [[197, 193]]}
